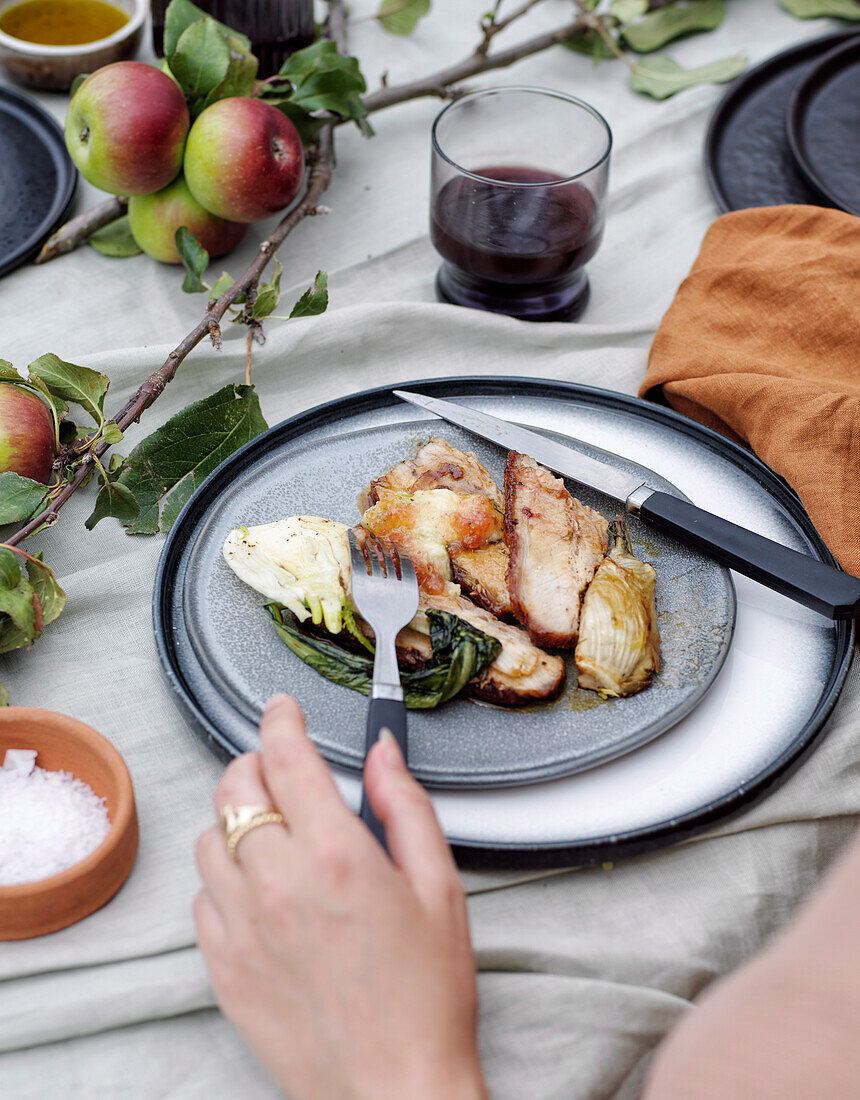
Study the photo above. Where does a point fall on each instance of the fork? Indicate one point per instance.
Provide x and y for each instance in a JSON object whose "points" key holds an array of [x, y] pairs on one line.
{"points": [[385, 593]]}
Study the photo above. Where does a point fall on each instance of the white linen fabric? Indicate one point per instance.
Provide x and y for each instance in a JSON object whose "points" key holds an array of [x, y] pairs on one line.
{"points": [[581, 972]]}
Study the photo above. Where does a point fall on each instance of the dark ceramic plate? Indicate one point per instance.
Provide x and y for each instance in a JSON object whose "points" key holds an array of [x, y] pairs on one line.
{"points": [[748, 160], [37, 178], [780, 679], [824, 126]]}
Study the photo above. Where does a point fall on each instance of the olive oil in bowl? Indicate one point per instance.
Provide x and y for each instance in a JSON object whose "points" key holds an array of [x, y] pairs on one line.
{"points": [[62, 22]]}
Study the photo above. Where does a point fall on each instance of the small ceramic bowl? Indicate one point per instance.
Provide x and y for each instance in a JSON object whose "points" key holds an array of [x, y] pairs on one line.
{"points": [[55, 67], [64, 744]]}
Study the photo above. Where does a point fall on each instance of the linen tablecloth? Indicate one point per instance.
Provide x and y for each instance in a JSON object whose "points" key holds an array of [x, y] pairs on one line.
{"points": [[581, 972]]}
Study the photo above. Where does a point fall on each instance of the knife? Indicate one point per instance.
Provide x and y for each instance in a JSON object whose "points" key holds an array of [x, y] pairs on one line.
{"points": [[802, 578]]}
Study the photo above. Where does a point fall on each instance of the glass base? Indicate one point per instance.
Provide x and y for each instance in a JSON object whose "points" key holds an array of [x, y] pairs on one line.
{"points": [[558, 301]]}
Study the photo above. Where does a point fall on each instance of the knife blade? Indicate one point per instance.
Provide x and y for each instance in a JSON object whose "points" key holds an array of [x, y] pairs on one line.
{"points": [[802, 578]]}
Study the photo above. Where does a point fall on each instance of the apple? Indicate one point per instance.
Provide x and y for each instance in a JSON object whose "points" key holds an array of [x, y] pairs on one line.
{"points": [[155, 218], [243, 159], [126, 128], [26, 434]]}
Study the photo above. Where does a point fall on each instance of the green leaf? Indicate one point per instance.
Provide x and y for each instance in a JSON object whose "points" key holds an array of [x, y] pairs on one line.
{"points": [[314, 300], [80, 385], [662, 26], [68, 433], [401, 16], [4, 696], [20, 498], [195, 258], [266, 301], [815, 9], [307, 126], [592, 44], [241, 75], [111, 433], [114, 499], [179, 16], [169, 465], [51, 596], [22, 622], [200, 62], [662, 77], [8, 372], [625, 11], [222, 283], [10, 568], [115, 239], [77, 82], [58, 407], [325, 80]]}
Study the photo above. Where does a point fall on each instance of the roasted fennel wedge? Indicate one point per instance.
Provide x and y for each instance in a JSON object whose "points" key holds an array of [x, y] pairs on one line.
{"points": [[618, 650], [459, 653]]}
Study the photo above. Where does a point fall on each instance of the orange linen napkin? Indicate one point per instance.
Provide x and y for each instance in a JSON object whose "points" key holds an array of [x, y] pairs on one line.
{"points": [[762, 342]]}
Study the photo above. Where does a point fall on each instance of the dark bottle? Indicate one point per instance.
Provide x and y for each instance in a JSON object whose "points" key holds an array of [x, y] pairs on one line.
{"points": [[276, 28]]}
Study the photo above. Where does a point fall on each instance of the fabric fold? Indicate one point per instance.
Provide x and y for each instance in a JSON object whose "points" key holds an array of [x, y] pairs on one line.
{"points": [[762, 343]]}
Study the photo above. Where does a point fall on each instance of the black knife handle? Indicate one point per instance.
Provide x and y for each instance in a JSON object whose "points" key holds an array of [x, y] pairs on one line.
{"points": [[802, 578], [382, 713]]}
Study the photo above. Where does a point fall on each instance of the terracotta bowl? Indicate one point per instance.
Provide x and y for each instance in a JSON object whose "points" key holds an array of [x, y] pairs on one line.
{"points": [[64, 744], [55, 67]]}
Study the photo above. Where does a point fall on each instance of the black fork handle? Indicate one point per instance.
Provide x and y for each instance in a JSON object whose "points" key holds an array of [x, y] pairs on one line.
{"points": [[382, 714]]}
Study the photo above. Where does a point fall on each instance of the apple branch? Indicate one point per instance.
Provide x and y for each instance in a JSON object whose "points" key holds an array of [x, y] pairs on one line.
{"points": [[321, 160], [75, 232]]}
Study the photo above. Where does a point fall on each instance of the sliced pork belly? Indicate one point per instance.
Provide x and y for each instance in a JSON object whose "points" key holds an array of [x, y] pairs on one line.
{"points": [[520, 674], [437, 465], [425, 523], [483, 576], [555, 544], [619, 642]]}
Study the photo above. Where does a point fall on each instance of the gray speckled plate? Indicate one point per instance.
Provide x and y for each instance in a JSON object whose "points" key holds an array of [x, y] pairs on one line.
{"points": [[241, 661]]}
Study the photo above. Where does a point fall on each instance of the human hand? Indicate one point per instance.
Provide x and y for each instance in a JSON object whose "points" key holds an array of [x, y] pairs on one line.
{"points": [[349, 974]]}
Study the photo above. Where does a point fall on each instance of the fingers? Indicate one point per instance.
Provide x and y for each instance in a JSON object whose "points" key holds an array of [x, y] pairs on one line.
{"points": [[415, 841], [293, 770], [242, 784]]}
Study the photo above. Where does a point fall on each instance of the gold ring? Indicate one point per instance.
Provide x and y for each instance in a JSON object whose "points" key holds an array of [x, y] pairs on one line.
{"points": [[238, 821]]}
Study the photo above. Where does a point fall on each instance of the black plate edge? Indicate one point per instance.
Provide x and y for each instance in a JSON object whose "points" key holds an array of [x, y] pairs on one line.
{"points": [[797, 108], [64, 196], [738, 88], [470, 855]]}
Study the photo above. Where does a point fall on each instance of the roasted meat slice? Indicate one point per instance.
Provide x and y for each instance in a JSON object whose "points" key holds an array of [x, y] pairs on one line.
{"points": [[619, 642], [520, 674], [437, 465], [483, 575], [555, 544], [429, 521]]}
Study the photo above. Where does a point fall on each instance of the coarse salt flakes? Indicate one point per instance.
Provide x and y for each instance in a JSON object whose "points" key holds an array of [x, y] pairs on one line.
{"points": [[48, 820]]}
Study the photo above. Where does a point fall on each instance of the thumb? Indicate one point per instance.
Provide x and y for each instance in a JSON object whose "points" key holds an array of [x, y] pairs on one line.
{"points": [[415, 840]]}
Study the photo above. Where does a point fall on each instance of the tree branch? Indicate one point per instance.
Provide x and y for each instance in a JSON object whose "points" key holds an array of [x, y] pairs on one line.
{"points": [[75, 232], [443, 84]]}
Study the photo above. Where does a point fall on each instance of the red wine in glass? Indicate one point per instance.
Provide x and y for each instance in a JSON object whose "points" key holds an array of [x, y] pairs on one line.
{"points": [[515, 240]]}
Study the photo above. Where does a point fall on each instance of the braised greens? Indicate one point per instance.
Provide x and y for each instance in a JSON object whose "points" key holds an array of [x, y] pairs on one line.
{"points": [[460, 652]]}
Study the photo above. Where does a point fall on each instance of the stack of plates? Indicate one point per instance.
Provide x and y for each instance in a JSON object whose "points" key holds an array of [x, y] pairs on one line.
{"points": [[786, 131]]}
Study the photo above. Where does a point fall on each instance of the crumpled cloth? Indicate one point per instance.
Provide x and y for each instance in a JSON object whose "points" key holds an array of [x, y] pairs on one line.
{"points": [[762, 343]]}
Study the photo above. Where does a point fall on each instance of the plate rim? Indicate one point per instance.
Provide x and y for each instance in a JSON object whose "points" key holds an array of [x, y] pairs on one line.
{"points": [[508, 854], [737, 91], [48, 130], [798, 108]]}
